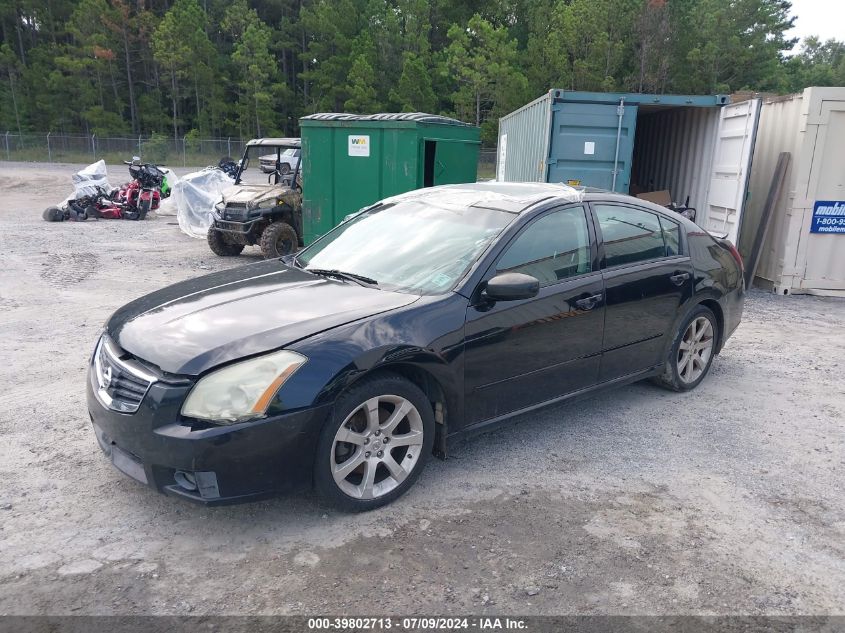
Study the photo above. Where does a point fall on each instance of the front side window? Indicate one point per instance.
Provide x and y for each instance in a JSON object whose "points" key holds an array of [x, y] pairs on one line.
{"points": [[552, 248], [630, 235]]}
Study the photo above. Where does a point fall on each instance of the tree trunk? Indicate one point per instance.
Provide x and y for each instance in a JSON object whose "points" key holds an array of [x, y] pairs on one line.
{"points": [[20, 36], [478, 107], [173, 101], [642, 66], [114, 83], [197, 97], [133, 110], [257, 109], [15, 102], [304, 65], [100, 86]]}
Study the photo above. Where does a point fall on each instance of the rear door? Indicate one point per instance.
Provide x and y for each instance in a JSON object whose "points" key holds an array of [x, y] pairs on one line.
{"points": [[731, 168], [647, 276]]}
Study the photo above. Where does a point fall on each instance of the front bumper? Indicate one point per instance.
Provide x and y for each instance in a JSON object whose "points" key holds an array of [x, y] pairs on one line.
{"points": [[226, 464]]}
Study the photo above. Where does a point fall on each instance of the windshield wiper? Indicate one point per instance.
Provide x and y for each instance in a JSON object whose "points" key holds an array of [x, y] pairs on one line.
{"points": [[361, 280]]}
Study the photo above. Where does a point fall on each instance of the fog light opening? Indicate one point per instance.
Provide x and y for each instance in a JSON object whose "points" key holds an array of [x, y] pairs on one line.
{"points": [[186, 480]]}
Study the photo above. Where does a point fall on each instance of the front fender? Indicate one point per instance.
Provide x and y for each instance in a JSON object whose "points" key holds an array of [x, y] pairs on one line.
{"points": [[426, 336]]}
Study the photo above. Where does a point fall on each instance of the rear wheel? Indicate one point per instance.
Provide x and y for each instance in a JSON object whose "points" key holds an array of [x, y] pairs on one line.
{"points": [[278, 239], [692, 352], [375, 444], [221, 246]]}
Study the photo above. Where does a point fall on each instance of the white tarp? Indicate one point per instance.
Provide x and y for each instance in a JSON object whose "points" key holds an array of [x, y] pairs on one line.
{"points": [[194, 197], [167, 206], [86, 181]]}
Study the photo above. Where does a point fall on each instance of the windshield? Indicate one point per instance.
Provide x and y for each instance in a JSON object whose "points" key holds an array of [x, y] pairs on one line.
{"points": [[259, 164], [410, 246]]}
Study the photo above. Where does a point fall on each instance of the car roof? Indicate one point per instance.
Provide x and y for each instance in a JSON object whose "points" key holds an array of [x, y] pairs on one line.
{"points": [[512, 197], [519, 197], [275, 142]]}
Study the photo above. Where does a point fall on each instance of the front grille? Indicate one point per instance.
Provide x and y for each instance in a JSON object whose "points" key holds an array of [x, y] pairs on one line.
{"points": [[233, 227], [122, 383], [234, 211]]}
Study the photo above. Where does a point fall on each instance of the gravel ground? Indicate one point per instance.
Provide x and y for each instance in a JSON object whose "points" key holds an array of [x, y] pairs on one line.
{"points": [[722, 501]]}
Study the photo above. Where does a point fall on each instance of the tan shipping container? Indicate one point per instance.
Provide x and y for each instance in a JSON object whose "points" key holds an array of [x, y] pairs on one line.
{"points": [[811, 126]]}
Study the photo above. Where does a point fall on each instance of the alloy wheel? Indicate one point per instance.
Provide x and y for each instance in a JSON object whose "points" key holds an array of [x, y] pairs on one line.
{"points": [[695, 349], [377, 447]]}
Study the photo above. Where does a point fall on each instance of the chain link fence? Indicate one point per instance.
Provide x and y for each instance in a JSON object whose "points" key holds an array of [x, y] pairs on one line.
{"points": [[68, 148], [185, 152], [487, 164]]}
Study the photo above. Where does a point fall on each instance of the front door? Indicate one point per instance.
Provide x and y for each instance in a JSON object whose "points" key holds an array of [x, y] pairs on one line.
{"points": [[647, 278], [521, 353]]}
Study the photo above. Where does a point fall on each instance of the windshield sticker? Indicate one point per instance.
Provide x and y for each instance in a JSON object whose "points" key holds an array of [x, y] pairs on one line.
{"points": [[441, 280]]}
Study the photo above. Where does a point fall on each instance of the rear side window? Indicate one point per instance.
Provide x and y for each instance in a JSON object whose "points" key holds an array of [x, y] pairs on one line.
{"points": [[552, 248], [630, 235]]}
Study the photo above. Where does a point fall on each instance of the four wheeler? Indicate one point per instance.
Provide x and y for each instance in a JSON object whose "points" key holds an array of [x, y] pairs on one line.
{"points": [[254, 212]]}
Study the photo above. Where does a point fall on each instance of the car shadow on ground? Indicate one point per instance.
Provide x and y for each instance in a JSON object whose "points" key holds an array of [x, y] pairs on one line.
{"points": [[461, 474]]}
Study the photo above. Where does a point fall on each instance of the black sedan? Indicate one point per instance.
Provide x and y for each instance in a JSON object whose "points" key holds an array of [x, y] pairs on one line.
{"points": [[423, 318]]}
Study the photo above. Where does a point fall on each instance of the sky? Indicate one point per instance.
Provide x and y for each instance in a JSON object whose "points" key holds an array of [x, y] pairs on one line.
{"points": [[824, 18]]}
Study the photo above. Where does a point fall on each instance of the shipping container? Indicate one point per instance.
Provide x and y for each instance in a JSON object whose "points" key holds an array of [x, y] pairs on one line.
{"points": [[804, 250], [350, 161], [696, 147]]}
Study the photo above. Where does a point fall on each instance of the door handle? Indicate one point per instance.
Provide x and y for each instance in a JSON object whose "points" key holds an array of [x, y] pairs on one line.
{"points": [[588, 303], [679, 278]]}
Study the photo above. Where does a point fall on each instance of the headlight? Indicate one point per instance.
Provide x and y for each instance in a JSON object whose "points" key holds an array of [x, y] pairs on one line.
{"points": [[243, 390], [266, 204]]}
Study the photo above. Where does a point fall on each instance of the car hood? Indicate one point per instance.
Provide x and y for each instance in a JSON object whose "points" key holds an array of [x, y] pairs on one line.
{"points": [[192, 326], [253, 193]]}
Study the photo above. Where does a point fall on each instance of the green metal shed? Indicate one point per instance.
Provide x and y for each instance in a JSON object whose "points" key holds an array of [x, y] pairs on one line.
{"points": [[350, 161]]}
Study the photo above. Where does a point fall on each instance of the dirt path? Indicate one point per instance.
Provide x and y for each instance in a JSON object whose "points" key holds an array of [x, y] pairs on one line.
{"points": [[726, 500]]}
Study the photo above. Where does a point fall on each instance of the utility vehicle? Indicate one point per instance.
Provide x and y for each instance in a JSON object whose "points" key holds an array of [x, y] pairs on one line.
{"points": [[257, 212]]}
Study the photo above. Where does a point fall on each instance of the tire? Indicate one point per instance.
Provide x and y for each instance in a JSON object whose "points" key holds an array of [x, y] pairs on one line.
{"points": [[144, 208], [701, 331], [219, 245], [369, 480], [284, 168], [277, 240], [53, 214]]}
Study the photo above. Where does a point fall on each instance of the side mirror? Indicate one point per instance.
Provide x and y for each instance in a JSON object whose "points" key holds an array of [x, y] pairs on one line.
{"points": [[512, 287]]}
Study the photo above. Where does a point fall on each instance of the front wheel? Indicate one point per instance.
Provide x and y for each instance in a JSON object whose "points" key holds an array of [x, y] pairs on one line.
{"points": [[692, 352], [375, 444], [277, 240], [144, 206], [219, 245], [53, 214]]}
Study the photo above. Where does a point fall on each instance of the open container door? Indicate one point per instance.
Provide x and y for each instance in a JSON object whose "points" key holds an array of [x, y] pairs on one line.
{"points": [[731, 168]]}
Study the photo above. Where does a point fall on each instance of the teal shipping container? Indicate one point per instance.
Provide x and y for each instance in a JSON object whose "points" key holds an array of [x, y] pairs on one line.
{"points": [[350, 161], [687, 147]]}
